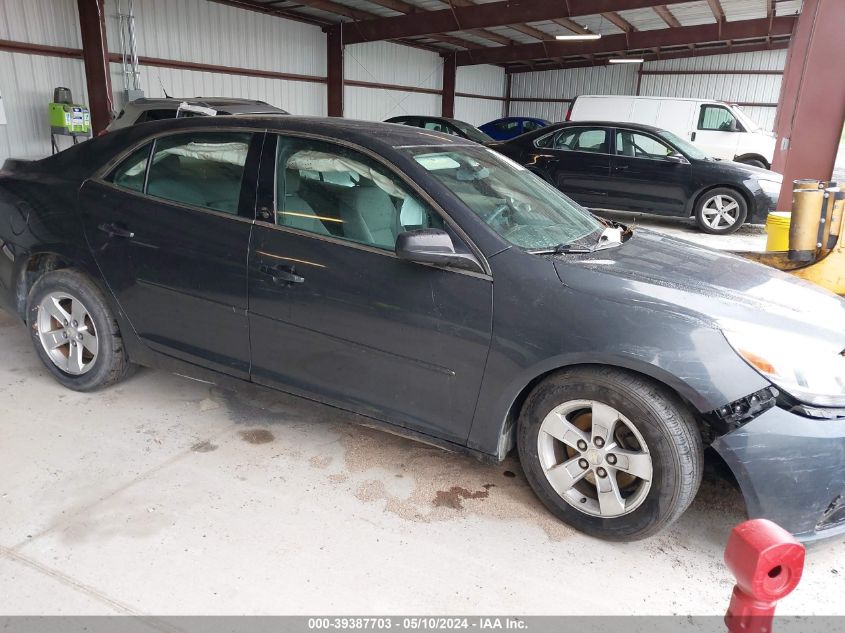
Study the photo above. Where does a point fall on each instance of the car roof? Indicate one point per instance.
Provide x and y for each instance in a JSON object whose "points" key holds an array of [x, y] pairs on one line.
{"points": [[370, 134], [629, 126], [209, 101]]}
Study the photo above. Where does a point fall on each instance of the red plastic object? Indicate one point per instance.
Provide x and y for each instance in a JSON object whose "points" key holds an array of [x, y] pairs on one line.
{"points": [[767, 562]]}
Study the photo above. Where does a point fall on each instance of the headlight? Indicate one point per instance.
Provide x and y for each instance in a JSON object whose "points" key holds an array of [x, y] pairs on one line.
{"points": [[770, 187], [810, 370]]}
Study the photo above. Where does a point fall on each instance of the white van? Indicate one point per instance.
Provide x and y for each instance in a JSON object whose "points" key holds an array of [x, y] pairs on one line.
{"points": [[719, 129]]}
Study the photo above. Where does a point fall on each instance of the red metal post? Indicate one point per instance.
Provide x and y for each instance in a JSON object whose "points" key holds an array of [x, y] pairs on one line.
{"points": [[447, 103], [508, 93], [334, 70], [811, 109], [95, 56], [767, 562]]}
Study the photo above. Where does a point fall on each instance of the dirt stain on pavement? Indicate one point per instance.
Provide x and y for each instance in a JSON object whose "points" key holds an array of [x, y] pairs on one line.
{"points": [[257, 436], [204, 447], [452, 498]]}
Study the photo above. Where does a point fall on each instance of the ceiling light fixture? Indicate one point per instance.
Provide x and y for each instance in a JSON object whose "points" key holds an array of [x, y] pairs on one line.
{"points": [[579, 36], [626, 60]]}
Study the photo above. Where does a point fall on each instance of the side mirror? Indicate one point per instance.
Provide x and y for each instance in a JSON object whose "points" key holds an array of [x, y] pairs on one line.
{"points": [[433, 246], [676, 158]]}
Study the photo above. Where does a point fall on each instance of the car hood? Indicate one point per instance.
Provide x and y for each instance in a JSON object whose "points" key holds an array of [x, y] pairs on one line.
{"points": [[747, 171], [656, 271]]}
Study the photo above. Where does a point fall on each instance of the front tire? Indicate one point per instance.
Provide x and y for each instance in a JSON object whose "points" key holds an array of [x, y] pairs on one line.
{"points": [[610, 453], [720, 211], [74, 332]]}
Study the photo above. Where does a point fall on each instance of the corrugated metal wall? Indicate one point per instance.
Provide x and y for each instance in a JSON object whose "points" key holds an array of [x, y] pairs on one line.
{"points": [[211, 33], [742, 88], [480, 80], [567, 84], [27, 81], [388, 63]]}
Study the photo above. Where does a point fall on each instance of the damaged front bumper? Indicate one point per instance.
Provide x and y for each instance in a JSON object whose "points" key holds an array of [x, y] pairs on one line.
{"points": [[791, 470]]}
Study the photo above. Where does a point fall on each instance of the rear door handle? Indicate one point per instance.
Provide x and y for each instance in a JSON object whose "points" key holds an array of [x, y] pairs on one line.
{"points": [[282, 274], [113, 229]]}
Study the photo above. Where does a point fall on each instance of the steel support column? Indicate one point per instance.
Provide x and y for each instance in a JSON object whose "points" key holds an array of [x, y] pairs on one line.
{"points": [[447, 102], [811, 108], [334, 71], [95, 56]]}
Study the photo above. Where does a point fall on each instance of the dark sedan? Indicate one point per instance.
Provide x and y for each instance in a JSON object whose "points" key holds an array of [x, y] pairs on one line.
{"points": [[630, 167], [445, 125], [432, 285]]}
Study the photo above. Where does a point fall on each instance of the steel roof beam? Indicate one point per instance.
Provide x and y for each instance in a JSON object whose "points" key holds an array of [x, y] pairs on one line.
{"points": [[501, 13], [637, 40]]}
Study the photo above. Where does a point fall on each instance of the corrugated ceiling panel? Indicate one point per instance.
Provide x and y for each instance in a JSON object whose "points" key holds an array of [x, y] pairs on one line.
{"points": [[212, 33], [643, 19], [374, 104], [744, 9], [478, 111], [50, 22], [385, 62], [692, 13], [27, 83]]}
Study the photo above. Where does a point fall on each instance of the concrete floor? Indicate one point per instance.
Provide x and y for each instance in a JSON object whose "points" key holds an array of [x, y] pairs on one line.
{"points": [[162, 496]]}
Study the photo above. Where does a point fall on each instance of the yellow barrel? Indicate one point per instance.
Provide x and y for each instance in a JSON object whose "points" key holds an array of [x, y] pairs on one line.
{"points": [[777, 227], [806, 183], [804, 224]]}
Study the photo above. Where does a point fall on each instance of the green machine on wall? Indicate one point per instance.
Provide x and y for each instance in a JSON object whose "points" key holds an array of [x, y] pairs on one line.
{"points": [[68, 118]]}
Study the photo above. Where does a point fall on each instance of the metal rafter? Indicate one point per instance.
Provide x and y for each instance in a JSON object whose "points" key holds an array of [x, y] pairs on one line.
{"points": [[716, 9], [674, 54], [500, 13], [619, 21], [667, 16], [637, 40]]}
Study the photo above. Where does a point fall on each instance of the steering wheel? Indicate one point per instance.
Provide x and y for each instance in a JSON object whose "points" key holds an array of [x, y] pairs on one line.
{"points": [[497, 212]]}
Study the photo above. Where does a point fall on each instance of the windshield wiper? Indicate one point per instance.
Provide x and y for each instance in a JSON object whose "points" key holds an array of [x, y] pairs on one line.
{"points": [[560, 249]]}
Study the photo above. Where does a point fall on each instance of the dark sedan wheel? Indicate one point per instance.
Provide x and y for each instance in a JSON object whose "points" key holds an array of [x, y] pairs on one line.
{"points": [[74, 332], [720, 211], [610, 453]]}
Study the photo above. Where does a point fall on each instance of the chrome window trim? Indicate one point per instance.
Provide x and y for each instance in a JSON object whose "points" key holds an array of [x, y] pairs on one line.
{"points": [[576, 151]]}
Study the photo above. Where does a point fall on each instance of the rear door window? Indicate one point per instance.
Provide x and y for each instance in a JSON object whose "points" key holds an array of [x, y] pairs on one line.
{"points": [[131, 173], [200, 169]]}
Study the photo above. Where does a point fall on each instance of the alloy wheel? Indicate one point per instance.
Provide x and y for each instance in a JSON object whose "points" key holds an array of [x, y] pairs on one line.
{"points": [[67, 333], [720, 211], [595, 458]]}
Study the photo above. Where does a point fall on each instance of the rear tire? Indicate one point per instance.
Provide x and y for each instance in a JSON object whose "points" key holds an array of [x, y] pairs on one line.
{"points": [[754, 162], [631, 449], [74, 332], [720, 211]]}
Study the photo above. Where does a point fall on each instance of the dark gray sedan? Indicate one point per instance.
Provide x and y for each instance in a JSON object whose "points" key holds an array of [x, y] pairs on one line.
{"points": [[640, 168], [432, 285]]}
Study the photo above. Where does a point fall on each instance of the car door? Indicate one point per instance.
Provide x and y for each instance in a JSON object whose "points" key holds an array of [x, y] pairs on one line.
{"points": [[718, 131], [644, 177], [169, 228], [336, 316], [577, 161]]}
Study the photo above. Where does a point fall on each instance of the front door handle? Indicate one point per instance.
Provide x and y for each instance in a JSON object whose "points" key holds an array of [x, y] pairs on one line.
{"points": [[282, 274], [113, 229], [620, 167], [692, 136]]}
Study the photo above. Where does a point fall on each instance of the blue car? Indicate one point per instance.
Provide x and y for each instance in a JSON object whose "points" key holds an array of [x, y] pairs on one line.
{"points": [[509, 127]]}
